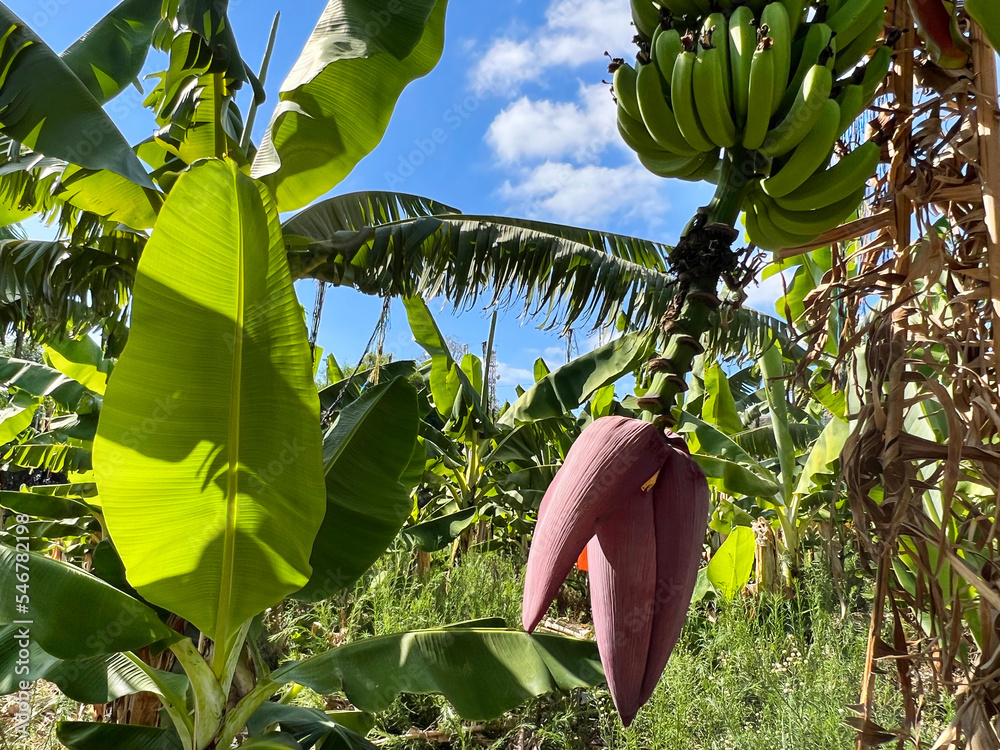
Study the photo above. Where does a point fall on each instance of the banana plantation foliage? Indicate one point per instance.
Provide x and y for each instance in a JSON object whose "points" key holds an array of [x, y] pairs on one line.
{"points": [[172, 474]]}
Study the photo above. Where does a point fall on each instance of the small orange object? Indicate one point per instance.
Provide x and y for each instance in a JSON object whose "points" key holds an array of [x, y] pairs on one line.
{"points": [[581, 561]]}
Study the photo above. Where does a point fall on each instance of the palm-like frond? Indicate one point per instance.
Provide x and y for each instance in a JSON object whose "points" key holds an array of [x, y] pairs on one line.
{"points": [[354, 211], [405, 246], [743, 334], [759, 442], [50, 284]]}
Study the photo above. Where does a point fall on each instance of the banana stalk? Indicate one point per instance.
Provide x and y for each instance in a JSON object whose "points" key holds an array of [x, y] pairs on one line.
{"points": [[700, 258]]}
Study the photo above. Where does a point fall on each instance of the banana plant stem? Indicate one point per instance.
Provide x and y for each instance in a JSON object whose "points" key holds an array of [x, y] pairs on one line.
{"points": [[737, 170], [703, 254]]}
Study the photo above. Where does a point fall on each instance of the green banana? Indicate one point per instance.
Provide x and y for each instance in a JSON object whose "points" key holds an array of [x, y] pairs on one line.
{"points": [[646, 17], [754, 233], [819, 38], [624, 86], [742, 46], [636, 137], [851, 54], [716, 29], [656, 113], [804, 112], [835, 183], [816, 221], [666, 48], [809, 155], [852, 104], [780, 238], [854, 17], [708, 171], [762, 232], [711, 81], [774, 23], [875, 71], [796, 13], [761, 89], [673, 166], [682, 99]]}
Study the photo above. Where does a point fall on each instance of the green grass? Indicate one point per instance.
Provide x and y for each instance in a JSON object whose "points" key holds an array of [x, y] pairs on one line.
{"points": [[764, 674], [755, 673]]}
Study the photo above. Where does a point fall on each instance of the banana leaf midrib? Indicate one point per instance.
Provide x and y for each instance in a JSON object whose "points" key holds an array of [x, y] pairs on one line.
{"points": [[232, 479]]}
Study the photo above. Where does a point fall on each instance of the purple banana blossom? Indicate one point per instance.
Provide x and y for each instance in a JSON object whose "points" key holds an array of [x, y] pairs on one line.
{"points": [[635, 498]]}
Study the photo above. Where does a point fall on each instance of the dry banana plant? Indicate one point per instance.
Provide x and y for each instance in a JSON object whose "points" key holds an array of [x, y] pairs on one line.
{"points": [[915, 292]]}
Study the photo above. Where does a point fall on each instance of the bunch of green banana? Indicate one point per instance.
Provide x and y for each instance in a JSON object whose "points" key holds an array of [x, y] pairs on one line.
{"points": [[784, 79]]}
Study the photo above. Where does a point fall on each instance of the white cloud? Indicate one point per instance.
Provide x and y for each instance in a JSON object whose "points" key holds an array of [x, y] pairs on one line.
{"points": [[586, 194], [576, 33], [763, 295], [508, 375], [563, 160], [541, 129]]}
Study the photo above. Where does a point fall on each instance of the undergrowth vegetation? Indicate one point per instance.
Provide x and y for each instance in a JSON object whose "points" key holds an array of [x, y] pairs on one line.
{"points": [[768, 673]]}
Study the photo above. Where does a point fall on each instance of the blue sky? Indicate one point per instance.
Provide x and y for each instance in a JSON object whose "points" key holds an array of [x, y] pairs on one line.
{"points": [[514, 121]]}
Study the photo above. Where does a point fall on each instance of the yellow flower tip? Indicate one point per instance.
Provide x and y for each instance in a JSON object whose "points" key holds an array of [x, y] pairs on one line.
{"points": [[651, 482]]}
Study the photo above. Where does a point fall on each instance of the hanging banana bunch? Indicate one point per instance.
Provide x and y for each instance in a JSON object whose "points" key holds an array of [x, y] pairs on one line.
{"points": [[754, 97], [780, 80]]}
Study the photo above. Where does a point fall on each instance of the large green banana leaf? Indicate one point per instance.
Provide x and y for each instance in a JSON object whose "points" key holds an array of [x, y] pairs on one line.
{"points": [[109, 195], [483, 672], [730, 567], [365, 454], [103, 619], [728, 466], [40, 505], [80, 359], [110, 55], [438, 533], [760, 440], [346, 390], [42, 380], [824, 454], [565, 389], [709, 439], [47, 108], [453, 391], [16, 417], [208, 456], [772, 370], [78, 735], [733, 478], [719, 407], [273, 741], [335, 105], [985, 14], [311, 726], [99, 679]]}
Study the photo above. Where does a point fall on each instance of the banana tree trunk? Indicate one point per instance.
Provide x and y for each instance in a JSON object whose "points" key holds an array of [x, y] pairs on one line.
{"points": [[700, 260], [766, 558]]}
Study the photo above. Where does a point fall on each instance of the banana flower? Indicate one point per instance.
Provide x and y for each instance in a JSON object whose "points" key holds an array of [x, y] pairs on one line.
{"points": [[635, 499]]}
